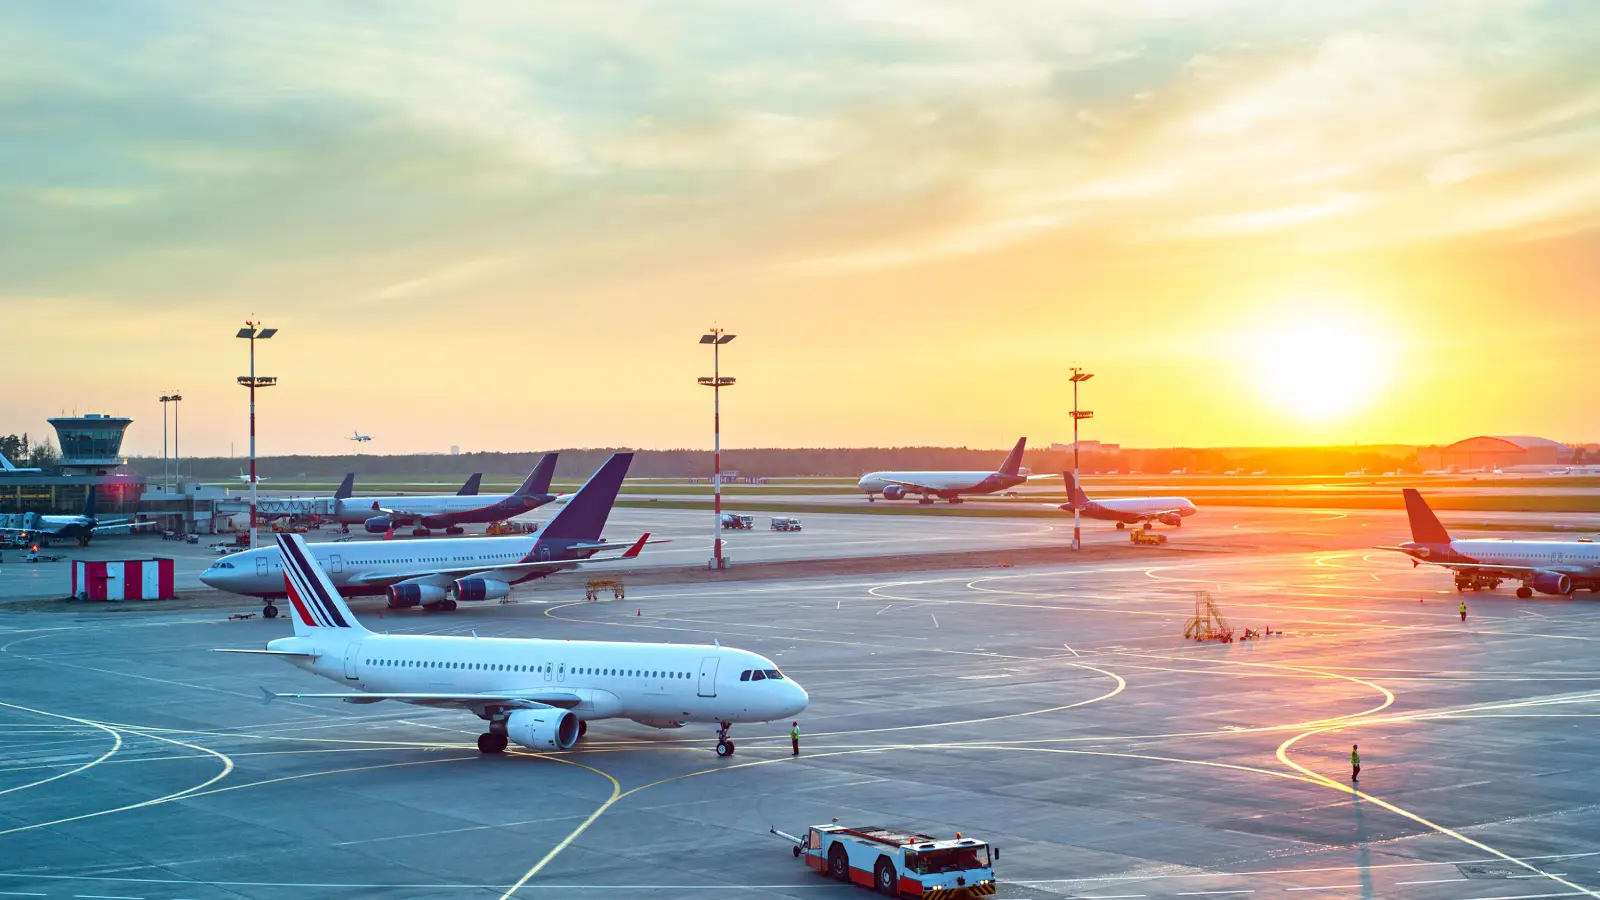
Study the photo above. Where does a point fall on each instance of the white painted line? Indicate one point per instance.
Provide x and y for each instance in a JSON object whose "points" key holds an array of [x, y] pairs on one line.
{"points": [[1325, 887], [22, 894], [1198, 893], [1074, 652], [935, 619], [1540, 875], [1111, 896], [884, 610], [1435, 881], [105, 897]]}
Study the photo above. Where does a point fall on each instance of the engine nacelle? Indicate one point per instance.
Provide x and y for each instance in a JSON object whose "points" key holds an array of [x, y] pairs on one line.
{"points": [[660, 723], [543, 729], [379, 524], [470, 590], [1172, 519], [405, 596], [893, 492], [1551, 583]]}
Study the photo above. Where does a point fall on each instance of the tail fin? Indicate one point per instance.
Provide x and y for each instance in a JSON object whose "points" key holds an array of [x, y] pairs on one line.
{"points": [[1425, 527], [1014, 459], [317, 604], [584, 516], [470, 489], [88, 505], [1075, 495], [539, 479], [346, 487], [6, 464]]}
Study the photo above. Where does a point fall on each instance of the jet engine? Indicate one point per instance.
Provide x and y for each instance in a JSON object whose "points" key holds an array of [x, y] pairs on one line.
{"points": [[543, 729], [379, 524], [405, 596], [1172, 519], [473, 589], [1551, 583], [660, 723], [894, 492]]}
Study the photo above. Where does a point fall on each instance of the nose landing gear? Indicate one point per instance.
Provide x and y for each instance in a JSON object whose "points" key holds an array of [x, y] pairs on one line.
{"points": [[724, 746]]}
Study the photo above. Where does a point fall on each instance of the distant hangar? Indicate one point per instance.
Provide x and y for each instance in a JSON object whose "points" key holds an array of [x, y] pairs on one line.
{"points": [[1497, 452]]}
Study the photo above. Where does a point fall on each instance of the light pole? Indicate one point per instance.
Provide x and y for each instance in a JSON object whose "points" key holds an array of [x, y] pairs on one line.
{"points": [[1079, 376], [251, 332], [177, 457], [166, 472], [716, 338]]}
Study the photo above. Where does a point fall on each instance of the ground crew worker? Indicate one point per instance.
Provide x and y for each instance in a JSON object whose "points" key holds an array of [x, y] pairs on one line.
{"points": [[794, 737], [1463, 610], [1355, 763]]}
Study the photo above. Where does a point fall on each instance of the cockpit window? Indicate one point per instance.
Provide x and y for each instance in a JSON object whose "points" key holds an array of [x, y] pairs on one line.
{"points": [[774, 674], [745, 675], [758, 675], [222, 565]]}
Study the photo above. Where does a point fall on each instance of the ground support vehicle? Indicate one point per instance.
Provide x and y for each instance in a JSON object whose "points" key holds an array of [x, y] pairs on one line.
{"points": [[898, 862], [1145, 538], [785, 523], [35, 556], [738, 522], [593, 587], [508, 526], [1470, 581]]}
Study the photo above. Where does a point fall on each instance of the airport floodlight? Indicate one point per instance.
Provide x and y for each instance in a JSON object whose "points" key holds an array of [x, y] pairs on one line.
{"points": [[266, 333], [721, 381], [708, 339], [726, 338], [251, 332], [716, 337], [246, 333], [1079, 376]]}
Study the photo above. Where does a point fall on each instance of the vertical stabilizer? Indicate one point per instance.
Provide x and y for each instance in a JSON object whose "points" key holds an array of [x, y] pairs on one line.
{"points": [[584, 516], [1425, 527], [88, 505], [470, 489], [6, 464], [346, 487], [1076, 498], [318, 608], [538, 481], [1013, 462]]}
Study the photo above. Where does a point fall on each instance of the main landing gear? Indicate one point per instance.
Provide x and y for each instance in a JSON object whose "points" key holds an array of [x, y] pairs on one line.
{"points": [[419, 531], [724, 746], [955, 500], [455, 529], [269, 611], [925, 500], [1121, 525]]}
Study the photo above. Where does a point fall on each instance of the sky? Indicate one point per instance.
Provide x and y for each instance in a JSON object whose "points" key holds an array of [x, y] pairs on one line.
{"points": [[504, 226]]}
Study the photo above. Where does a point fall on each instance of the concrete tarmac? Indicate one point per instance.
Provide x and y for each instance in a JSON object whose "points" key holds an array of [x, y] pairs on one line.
{"points": [[1056, 712]]}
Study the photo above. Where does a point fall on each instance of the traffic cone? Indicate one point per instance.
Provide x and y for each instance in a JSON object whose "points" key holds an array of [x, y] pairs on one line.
{"points": [[639, 611]]}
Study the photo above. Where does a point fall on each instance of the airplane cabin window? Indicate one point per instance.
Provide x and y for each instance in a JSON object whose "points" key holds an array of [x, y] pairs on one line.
{"points": [[745, 675]]}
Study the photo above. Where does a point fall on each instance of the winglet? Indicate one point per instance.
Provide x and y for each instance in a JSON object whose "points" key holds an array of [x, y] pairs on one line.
{"points": [[1013, 461], [638, 545], [346, 487], [1425, 526], [267, 697]]}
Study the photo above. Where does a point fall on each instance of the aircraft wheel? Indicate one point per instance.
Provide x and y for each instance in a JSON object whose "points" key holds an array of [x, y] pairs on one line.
{"points": [[1121, 525], [724, 748], [1524, 593], [269, 612], [419, 532], [455, 529], [583, 729], [491, 743]]}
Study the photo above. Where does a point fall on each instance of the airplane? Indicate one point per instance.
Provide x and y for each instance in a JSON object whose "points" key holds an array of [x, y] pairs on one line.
{"points": [[80, 528], [437, 573], [380, 514], [947, 485], [540, 694], [1549, 567], [1130, 511], [360, 438], [245, 477], [5, 464]]}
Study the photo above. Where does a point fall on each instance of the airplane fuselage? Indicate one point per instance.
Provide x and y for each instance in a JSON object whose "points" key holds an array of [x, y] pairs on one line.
{"points": [[1578, 562], [659, 684], [946, 485], [439, 511], [1168, 510]]}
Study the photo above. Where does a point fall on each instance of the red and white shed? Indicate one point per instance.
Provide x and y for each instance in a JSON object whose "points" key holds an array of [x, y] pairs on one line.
{"points": [[123, 579]]}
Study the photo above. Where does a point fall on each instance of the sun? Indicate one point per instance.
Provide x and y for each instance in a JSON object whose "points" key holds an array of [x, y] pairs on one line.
{"points": [[1320, 366]]}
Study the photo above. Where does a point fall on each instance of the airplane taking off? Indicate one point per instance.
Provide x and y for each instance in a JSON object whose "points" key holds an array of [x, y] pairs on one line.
{"points": [[437, 573], [1549, 567], [379, 514], [946, 485], [80, 528], [1128, 511], [360, 438], [538, 693]]}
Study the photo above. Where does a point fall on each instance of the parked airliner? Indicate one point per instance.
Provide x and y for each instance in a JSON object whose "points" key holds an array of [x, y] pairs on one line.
{"points": [[437, 573], [380, 514], [1549, 567], [80, 528], [1127, 511], [946, 485], [538, 693]]}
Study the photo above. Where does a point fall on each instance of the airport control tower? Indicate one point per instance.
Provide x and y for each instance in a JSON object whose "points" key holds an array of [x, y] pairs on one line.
{"points": [[88, 442]]}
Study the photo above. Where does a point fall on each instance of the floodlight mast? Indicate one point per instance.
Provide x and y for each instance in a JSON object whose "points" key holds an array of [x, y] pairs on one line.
{"points": [[716, 337], [1078, 377], [253, 332]]}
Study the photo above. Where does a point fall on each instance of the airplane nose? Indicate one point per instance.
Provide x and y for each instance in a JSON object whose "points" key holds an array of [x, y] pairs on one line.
{"points": [[799, 699], [208, 578]]}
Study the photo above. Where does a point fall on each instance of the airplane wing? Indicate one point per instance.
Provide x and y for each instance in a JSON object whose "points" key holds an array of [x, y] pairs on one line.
{"points": [[913, 486], [507, 571], [122, 527], [518, 699]]}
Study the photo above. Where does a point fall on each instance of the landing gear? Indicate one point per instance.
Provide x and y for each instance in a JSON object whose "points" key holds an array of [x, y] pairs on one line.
{"points": [[955, 500], [925, 500], [269, 612], [1121, 525], [871, 499], [492, 743], [440, 606], [1524, 593], [583, 729], [455, 529], [420, 532], [724, 746]]}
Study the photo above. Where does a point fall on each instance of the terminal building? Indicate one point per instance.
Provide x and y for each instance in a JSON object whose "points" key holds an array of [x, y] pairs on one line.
{"points": [[91, 448]]}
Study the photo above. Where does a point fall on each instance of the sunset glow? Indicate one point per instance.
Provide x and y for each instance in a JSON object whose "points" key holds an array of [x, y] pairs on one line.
{"points": [[1319, 367]]}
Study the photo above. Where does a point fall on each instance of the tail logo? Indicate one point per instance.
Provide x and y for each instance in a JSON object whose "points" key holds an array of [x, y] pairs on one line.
{"points": [[309, 589]]}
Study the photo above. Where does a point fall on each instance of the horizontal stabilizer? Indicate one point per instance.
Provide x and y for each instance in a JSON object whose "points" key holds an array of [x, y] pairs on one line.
{"points": [[268, 652]]}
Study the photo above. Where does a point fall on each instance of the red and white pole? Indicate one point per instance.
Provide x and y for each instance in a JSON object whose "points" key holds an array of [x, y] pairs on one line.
{"points": [[716, 445], [252, 437]]}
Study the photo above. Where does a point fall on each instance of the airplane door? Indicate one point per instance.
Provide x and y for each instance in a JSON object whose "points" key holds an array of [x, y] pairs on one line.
{"points": [[561, 672], [708, 676], [351, 654], [336, 564], [261, 567], [549, 667]]}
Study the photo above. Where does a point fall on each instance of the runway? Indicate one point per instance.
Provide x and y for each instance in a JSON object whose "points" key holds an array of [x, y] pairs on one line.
{"points": [[1056, 712]]}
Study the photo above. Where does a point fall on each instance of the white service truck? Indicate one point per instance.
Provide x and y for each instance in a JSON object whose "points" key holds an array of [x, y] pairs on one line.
{"points": [[898, 862]]}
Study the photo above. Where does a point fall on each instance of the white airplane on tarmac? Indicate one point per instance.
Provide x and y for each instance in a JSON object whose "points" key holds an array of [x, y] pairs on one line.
{"points": [[537, 693], [1127, 511], [947, 485]]}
